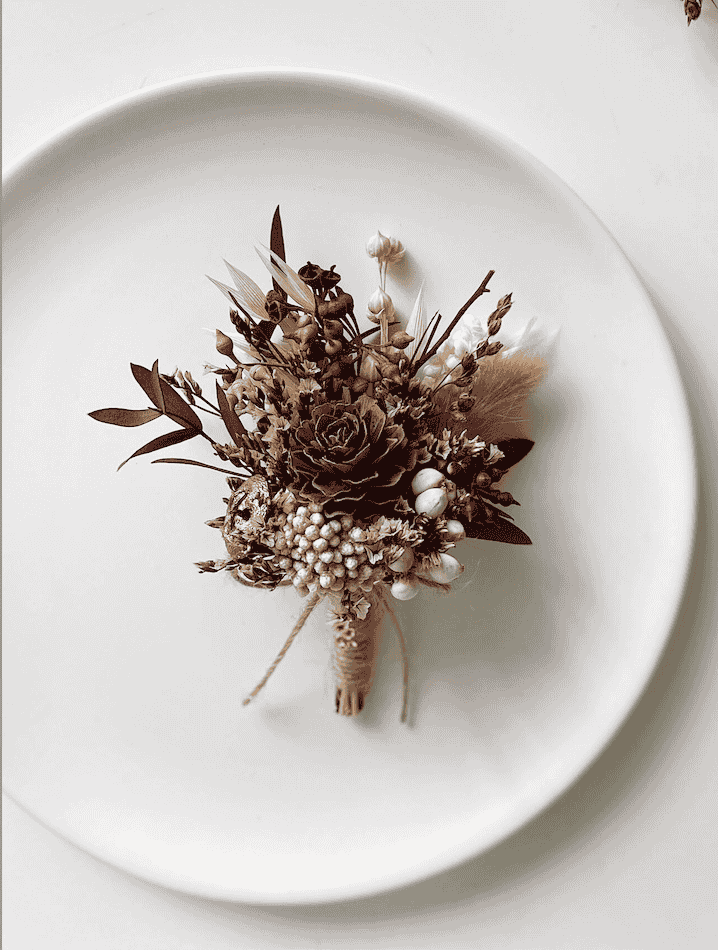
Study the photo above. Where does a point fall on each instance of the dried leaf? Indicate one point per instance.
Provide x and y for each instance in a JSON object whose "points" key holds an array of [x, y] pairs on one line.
{"points": [[192, 462], [163, 442], [417, 324], [125, 417], [229, 417], [514, 450], [288, 280], [149, 380], [276, 245], [165, 397], [249, 293], [501, 530]]}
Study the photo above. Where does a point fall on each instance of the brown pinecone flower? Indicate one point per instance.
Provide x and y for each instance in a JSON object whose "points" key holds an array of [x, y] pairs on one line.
{"points": [[348, 452]]}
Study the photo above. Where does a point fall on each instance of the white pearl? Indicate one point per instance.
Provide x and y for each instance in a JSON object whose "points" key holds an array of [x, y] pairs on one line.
{"points": [[432, 502], [425, 479], [455, 529], [445, 572], [404, 590], [404, 562]]}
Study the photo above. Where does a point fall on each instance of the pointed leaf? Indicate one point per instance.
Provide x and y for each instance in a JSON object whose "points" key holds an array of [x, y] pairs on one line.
{"points": [[229, 417], [276, 245], [149, 381], [125, 417], [163, 442], [288, 280], [514, 450], [503, 530], [235, 474], [417, 324], [249, 293], [177, 409]]}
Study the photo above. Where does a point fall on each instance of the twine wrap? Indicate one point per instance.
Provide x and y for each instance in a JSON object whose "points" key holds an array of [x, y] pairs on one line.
{"points": [[356, 645]]}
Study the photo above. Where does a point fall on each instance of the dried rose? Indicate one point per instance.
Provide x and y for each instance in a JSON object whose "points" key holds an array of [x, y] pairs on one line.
{"points": [[348, 452]]}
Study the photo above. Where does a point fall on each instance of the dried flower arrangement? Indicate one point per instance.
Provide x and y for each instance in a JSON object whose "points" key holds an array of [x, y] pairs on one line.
{"points": [[359, 457]]}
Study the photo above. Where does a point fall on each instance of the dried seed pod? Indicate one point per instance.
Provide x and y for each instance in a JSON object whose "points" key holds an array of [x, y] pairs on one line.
{"points": [[333, 329], [392, 353], [224, 344], [401, 339], [378, 246], [307, 333], [332, 347]]}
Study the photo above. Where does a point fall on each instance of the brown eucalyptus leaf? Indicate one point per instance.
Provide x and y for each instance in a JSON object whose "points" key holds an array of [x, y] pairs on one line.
{"points": [[229, 417], [149, 381], [176, 408], [163, 442], [125, 417]]}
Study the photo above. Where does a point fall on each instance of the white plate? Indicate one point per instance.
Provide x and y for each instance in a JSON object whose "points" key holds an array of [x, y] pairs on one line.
{"points": [[125, 667]]}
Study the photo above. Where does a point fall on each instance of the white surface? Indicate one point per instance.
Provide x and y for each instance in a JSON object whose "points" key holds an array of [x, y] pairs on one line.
{"points": [[123, 727], [620, 100]]}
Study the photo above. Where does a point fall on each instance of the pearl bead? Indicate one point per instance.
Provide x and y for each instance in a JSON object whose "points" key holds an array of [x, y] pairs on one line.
{"points": [[432, 502], [425, 479], [404, 590]]}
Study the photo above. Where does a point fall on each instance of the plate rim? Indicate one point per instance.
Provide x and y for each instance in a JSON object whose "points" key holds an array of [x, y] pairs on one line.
{"points": [[21, 168]]}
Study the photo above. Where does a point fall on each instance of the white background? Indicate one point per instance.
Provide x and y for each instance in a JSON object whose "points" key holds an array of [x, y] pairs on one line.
{"points": [[621, 100]]}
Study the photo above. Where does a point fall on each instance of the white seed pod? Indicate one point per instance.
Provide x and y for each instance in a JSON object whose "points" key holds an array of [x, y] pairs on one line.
{"points": [[446, 571], [379, 302], [431, 503], [404, 562], [396, 251], [455, 530], [425, 479], [404, 590], [378, 246]]}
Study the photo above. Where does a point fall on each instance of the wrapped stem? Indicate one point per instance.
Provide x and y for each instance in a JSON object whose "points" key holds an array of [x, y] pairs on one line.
{"points": [[356, 646]]}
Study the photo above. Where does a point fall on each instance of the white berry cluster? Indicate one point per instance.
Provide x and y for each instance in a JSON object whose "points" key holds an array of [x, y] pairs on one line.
{"points": [[434, 492], [322, 554]]}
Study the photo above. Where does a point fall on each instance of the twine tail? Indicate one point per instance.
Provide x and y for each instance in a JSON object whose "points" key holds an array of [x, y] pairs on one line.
{"points": [[282, 653], [404, 658]]}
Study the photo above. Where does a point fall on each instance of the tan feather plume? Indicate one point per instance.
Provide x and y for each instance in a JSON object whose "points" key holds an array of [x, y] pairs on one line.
{"points": [[501, 390]]}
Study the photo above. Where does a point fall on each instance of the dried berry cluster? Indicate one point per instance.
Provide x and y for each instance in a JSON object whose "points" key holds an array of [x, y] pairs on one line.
{"points": [[357, 455]]}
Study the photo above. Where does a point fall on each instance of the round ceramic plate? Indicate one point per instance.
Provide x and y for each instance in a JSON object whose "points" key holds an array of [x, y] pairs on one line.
{"points": [[125, 668]]}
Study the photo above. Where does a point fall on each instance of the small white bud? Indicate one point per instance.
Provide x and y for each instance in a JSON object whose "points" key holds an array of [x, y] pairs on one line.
{"points": [[378, 246], [427, 478]]}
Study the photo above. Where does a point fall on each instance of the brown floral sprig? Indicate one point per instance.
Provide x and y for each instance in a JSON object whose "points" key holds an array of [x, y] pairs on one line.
{"points": [[356, 459]]}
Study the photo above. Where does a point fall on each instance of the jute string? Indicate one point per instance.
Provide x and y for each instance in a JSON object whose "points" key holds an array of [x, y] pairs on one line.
{"points": [[356, 646], [283, 652], [404, 658]]}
